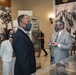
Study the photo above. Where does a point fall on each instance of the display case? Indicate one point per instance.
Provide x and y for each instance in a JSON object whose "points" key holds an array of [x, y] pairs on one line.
{"points": [[33, 36], [64, 67], [34, 32]]}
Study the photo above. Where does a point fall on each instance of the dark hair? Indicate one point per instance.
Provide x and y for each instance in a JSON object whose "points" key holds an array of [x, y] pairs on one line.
{"points": [[20, 18], [10, 30], [62, 22], [8, 33]]}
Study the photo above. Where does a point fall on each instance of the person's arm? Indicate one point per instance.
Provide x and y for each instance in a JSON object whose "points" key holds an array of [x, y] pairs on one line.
{"points": [[67, 44], [51, 41], [41, 36], [2, 49]]}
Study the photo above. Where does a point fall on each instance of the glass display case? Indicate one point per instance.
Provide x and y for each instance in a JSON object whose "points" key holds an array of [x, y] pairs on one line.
{"points": [[33, 36], [64, 67]]}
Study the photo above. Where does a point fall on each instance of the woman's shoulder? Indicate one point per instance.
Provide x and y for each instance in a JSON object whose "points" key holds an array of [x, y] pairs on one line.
{"points": [[5, 41]]}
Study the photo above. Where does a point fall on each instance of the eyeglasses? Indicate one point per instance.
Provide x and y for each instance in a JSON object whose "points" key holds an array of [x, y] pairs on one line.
{"points": [[57, 25], [23, 22], [28, 22]]}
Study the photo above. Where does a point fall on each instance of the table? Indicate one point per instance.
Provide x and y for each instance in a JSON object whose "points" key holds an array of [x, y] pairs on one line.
{"points": [[64, 67]]}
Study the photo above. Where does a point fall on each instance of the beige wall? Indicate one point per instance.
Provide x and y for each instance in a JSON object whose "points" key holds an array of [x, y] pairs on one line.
{"points": [[41, 9], [15, 6]]}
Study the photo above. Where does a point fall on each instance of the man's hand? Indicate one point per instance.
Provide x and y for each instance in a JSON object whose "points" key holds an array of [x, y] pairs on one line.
{"points": [[38, 38], [54, 44]]}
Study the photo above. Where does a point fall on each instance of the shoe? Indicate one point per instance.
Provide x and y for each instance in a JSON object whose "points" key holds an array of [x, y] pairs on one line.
{"points": [[45, 54]]}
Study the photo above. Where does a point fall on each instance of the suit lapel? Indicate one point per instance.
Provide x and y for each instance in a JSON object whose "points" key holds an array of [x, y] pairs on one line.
{"points": [[23, 32], [54, 37], [61, 35], [10, 45]]}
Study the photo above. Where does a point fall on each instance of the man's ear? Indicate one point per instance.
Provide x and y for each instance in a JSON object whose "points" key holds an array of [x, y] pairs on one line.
{"points": [[20, 23]]}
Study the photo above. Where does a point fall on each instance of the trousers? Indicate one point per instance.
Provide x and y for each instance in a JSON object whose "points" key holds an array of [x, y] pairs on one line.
{"points": [[8, 67]]}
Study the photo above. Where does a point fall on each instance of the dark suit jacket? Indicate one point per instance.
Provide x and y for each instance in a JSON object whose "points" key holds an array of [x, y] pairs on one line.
{"points": [[25, 54]]}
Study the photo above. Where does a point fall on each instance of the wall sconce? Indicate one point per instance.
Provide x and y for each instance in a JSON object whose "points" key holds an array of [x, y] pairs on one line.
{"points": [[51, 20]]}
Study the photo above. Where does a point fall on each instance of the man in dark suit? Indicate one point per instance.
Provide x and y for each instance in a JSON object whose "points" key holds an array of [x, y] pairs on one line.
{"points": [[23, 47]]}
